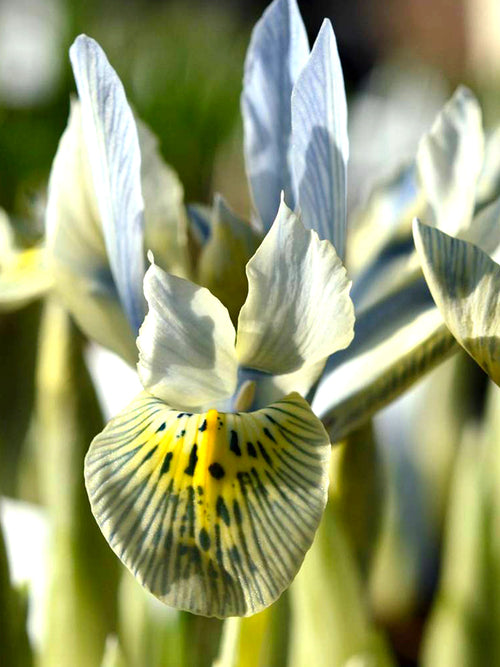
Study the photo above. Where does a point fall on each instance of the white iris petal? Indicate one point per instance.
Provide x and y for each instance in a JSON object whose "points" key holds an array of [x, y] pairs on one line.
{"points": [[320, 146], [465, 284], [114, 155], [298, 309], [186, 344]]}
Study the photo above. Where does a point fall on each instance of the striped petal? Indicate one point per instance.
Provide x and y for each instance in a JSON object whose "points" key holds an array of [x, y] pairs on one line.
{"points": [[212, 512], [222, 262], [113, 149], [398, 339], [278, 50], [298, 309], [395, 266], [465, 284], [186, 344], [75, 246], [449, 162], [320, 145]]}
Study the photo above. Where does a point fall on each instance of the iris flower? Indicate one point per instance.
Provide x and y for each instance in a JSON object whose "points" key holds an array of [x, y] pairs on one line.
{"points": [[295, 132], [210, 485], [213, 510]]}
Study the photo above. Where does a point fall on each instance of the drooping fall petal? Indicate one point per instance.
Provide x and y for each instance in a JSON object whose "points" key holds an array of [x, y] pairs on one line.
{"points": [[212, 512]]}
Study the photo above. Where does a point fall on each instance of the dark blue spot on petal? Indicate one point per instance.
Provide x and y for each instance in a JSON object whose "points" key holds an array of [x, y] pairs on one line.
{"points": [[251, 450], [204, 539], [193, 460], [216, 470], [165, 466], [234, 446], [222, 511], [269, 434]]}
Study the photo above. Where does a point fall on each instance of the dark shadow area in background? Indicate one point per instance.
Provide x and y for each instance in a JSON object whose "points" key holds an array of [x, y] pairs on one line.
{"points": [[148, 42]]}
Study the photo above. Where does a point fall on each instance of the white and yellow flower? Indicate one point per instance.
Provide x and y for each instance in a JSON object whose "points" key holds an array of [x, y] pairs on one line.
{"points": [[213, 510], [210, 506]]}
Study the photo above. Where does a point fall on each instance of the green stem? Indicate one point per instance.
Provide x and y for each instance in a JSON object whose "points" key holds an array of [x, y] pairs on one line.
{"points": [[81, 605]]}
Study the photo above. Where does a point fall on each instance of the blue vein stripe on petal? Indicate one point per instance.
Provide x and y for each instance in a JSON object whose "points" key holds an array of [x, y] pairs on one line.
{"points": [[277, 53], [319, 141], [114, 155], [217, 544]]}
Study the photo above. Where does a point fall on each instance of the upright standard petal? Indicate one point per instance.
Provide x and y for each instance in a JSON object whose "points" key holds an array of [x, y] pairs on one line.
{"points": [[320, 146], [449, 162], [186, 344], [115, 161], [76, 253], [278, 51], [298, 309], [212, 512], [465, 284]]}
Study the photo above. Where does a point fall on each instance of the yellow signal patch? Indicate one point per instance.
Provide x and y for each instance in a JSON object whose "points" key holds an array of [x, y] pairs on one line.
{"points": [[212, 512]]}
